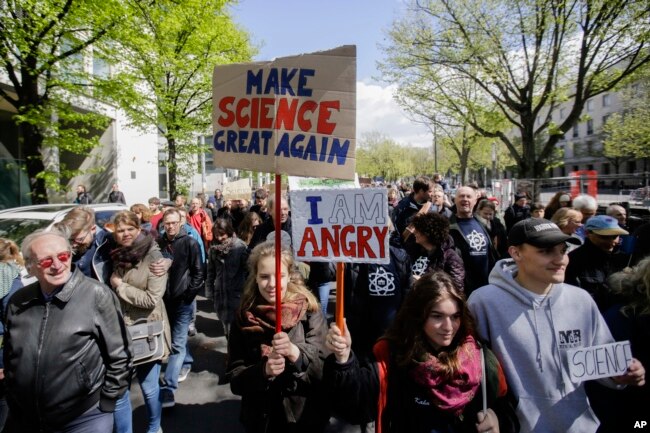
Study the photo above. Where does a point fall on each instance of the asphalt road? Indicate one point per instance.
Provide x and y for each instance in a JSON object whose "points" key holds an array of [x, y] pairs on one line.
{"points": [[202, 404]]}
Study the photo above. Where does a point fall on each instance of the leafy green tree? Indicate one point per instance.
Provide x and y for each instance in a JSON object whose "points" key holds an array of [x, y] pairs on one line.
{"points": [[42, 49], [379, 155], [627, 134], [171, 48], [523, 57]]}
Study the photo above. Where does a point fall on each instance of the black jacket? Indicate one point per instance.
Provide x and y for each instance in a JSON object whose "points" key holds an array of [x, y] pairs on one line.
{"points": [[63, 356], [405, 211], [292, 402], [264, 229], [375, 293], [116, 197], [514, 214], [186, 274], [589, 267], [445, 258]]}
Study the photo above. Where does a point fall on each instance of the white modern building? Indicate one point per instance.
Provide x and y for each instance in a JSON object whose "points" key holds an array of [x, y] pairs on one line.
{"points": [[125, 156]]}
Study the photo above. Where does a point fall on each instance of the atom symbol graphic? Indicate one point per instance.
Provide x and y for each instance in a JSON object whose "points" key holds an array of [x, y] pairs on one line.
{"points": [[381, 283], [476, 240], [420, 266]]}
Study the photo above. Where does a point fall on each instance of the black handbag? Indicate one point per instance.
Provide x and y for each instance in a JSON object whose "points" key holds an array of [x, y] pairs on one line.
{"points": [[148, 341]]}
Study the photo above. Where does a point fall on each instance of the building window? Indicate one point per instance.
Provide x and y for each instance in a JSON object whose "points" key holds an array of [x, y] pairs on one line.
{"points": [[631, 166], [101, 67], [590, 126], [606, 101], [576, 131], [605, 169], [576, 167], [562, 112], [605, 118], [590, 105], [589, 148], [133, 175]]}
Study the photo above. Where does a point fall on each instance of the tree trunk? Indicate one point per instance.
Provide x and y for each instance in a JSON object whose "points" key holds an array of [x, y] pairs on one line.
{"points": [[464, 158], [171, 166], [31, 140]]}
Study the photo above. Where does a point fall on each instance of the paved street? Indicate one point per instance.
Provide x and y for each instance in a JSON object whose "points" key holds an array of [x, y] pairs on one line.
{"points": [[202, 404]]}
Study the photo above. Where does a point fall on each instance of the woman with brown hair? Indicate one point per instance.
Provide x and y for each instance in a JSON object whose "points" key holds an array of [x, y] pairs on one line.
{"points": [[428, 372], [227, 271], [560, 200], [144, 215], [140, 293], [247, 226]]}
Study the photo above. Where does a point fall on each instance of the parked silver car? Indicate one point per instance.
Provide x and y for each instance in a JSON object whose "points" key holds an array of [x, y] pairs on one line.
{"points": [[18, 222]]}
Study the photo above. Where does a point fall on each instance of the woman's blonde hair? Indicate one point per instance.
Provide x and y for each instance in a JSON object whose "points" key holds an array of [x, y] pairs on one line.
{"points": [[9, 252], [295, 285], [562, 216]]}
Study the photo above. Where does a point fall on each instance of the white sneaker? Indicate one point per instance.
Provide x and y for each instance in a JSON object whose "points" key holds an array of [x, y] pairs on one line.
{"points": [[185, 371]]}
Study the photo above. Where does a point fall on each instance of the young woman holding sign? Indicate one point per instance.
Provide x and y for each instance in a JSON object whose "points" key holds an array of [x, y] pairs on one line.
{"points": [[428, 373], [278, 374]]}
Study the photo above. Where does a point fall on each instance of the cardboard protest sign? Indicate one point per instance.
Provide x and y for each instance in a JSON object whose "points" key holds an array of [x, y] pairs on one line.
{"points": [[345, 225], [606, 360], [293, 115], [238, 190], [299, 183]]}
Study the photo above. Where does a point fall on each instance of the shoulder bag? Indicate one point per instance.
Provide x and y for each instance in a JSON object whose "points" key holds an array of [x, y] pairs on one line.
{"points": [[148, 341]]}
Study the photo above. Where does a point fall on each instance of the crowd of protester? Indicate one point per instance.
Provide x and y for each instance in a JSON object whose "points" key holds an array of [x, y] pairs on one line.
{"points": [[464, 330]]}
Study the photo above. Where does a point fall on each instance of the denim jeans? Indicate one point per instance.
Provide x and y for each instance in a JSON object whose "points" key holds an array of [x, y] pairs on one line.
{"points": [[91, 421], [189, 360], [148, 375], [180, 315], [324, 295]]}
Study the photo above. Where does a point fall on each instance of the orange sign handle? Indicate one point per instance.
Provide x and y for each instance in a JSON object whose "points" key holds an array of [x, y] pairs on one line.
{"points": [[278, 254], [340, 284]]}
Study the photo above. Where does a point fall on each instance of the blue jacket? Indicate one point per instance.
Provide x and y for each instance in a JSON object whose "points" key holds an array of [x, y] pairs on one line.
{"points": [[96, 261]]}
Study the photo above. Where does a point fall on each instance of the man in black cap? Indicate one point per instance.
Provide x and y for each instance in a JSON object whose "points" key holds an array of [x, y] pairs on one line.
{"points": [[531, 320], [518, 211]]}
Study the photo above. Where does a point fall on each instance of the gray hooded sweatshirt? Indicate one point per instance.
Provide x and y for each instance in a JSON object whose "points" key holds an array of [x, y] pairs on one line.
{"points": [[530, 334]]}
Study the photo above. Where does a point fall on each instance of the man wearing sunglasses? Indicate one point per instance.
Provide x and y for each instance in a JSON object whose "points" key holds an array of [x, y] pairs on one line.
{"points": [[66, 350], [591, 264]]}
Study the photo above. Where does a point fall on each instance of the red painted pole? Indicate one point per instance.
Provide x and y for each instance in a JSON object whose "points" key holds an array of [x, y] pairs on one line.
{"points": [[278, 254], [340, 268]]}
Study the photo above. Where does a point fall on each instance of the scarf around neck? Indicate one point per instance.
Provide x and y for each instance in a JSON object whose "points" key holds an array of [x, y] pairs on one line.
{"points": [[451, 394], [222, 249], [260, 319], [128, 257]]}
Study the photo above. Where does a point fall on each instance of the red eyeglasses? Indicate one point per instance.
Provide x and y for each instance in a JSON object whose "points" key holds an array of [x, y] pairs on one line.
{"points": [[63, 257]]}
